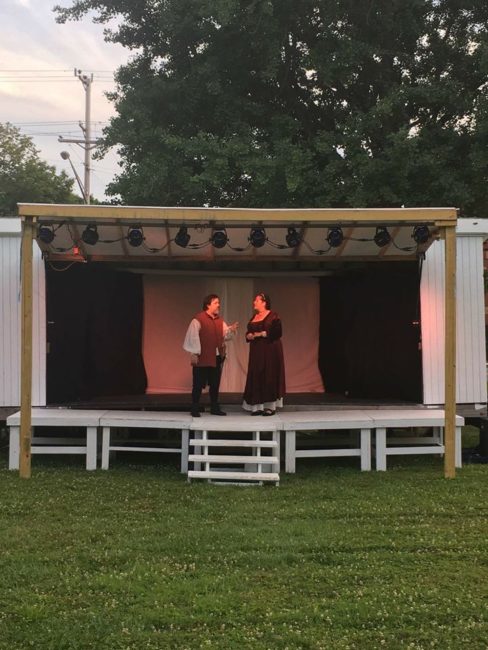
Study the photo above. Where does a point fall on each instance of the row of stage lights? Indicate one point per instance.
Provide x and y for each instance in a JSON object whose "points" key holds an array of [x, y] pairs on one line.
{"points": [[219, 239]]}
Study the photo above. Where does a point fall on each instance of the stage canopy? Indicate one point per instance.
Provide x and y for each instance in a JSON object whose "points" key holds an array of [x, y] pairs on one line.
{"points": [[162, 236]]}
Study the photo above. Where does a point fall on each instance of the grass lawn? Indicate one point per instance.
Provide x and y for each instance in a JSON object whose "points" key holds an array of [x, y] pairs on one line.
{"points": [[333, 558]]}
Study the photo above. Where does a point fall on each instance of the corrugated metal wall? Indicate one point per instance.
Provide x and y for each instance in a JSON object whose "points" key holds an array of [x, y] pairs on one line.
{"points": [[10, 324], [470, 338]]}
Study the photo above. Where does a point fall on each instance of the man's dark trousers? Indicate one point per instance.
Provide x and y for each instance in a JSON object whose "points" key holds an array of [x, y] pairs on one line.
{"points": [[203, 376]]}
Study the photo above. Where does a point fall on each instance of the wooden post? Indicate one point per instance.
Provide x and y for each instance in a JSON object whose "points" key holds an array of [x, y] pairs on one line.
{"points": [[26, 351], [450, 351]]}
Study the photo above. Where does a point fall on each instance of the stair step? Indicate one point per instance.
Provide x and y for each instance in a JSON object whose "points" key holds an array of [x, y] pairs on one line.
{"points": [[245, 460], [234, 443], [236, 476]]}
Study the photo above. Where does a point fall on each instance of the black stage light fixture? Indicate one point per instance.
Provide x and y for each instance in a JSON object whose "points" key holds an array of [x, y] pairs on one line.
{"points": [[335, 237], [257, 237], [293, 239], [421, 234], [219, 238], [45, 234], [135, 236], [182, 238], [90, 235], [382, 237]]}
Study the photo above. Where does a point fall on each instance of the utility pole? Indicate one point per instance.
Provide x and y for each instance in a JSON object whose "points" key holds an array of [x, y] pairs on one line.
{"points": [[87, 142]]}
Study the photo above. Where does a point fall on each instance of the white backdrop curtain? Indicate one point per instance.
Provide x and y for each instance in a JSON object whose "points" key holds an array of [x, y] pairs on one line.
{"points": [[171, 302]]}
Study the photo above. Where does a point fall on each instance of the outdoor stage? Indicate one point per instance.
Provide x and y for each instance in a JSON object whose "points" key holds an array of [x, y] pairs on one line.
{"points": [[375, 431]]}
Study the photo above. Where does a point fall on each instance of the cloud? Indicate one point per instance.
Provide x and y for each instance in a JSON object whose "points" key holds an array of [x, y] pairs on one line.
{"points": [[37, 81]]}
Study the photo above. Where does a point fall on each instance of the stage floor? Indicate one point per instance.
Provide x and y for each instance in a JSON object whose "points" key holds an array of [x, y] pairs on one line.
{"points": [[232, 402]]}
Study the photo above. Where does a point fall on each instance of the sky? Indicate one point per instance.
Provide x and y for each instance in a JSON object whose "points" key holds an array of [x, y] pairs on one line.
{"points": [[39, 92]]}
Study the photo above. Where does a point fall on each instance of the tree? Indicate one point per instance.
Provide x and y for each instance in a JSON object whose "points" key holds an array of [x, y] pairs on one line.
{"points": [[312, 103], [24, 177]]}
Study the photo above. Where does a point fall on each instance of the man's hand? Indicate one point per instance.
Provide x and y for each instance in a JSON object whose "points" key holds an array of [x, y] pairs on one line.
{"points": [[194, 359]]}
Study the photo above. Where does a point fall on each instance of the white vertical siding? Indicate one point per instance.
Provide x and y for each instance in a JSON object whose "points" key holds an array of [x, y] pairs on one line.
{"points": [[470, 325], [9, 321], [39, 331], [10, 324]]}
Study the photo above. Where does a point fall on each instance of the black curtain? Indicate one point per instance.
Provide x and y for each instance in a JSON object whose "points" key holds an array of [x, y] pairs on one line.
{"points": [[94, 317], [370, 332]]}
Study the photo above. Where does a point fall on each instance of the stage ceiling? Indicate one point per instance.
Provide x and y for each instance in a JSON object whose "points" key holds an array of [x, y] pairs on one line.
{"points": [[290, 235]]}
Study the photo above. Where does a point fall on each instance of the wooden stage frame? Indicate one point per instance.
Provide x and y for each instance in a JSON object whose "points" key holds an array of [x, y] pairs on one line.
{"points": [[443, 219]]}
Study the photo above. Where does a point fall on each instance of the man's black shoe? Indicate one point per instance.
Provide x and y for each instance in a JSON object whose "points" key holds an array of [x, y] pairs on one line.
{"points": [[217, 411], [195, 413]]}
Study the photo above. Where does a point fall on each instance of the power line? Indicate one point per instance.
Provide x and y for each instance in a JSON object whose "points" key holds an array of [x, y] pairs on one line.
{"points": [[46, 70], [54, 122], [50, 79]]}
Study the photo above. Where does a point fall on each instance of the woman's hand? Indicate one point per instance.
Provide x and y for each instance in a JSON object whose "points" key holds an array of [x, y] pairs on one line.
{"points": [[257, 335]]}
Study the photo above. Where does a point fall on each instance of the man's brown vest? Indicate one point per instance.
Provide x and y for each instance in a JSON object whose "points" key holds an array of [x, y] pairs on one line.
{"points": [[211, 339]]}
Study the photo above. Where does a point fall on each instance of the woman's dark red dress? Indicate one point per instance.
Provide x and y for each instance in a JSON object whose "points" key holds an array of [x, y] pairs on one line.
{"points": [[266, 370]]}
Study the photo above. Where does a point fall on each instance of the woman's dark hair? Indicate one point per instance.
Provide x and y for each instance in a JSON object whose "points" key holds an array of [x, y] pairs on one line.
{"points": [[208, 299], [265, 298]]}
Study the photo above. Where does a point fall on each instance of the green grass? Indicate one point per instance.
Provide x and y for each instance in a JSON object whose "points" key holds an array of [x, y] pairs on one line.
{"points": [[333, 558]]}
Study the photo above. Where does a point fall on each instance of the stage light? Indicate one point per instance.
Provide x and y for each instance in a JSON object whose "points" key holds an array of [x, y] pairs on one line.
{"points": [[219, 238], [257, 237], [46, 234], [182, 238], [90, 235], [135, 236], [421, 234], [293, 239], [382, 237], [335, 237]]}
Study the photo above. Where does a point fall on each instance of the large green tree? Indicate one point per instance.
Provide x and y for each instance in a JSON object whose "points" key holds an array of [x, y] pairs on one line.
{"points": [[299, 103], [25, 177]]}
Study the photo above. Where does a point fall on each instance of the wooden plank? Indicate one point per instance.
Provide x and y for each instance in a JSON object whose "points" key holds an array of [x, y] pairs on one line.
{"points": [[26, 350], [195, 258], [110, 213], [241, 460], [236, 424], [401, 419], [450, 353], [408, 451], [234, 443], [326, 420], [237, 476], [60, 417], [58, 450], [161, 450], [326, 453]]}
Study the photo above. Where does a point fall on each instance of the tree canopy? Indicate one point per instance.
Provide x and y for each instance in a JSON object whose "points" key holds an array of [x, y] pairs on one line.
{"points": [[330, 103], [24, 177]]}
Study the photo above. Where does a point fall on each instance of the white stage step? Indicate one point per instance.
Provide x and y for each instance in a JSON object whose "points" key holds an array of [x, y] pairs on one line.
{"points": [[255, 467], [243, 460], [234, 476], [234, 443]]}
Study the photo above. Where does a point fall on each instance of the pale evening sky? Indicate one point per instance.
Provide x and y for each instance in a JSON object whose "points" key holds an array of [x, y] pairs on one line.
{"points": [[38, 90]]}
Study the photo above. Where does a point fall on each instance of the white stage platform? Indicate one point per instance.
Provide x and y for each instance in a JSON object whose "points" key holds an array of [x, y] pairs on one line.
{"points": [[342, 432]]}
